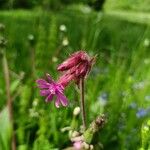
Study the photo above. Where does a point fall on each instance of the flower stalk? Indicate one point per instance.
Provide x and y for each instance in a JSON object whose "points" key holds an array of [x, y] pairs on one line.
{"points": [[9, 99], [82, 103], [5, 66]]}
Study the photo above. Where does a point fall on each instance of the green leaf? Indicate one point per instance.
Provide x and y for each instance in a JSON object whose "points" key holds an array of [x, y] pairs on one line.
{"points": [[5, 130], [14, 85]]}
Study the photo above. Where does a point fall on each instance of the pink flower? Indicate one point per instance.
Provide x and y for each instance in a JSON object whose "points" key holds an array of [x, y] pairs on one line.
{"points": [[65, 79], [50, 89], [73, 60], [77, 66], [77, 142], [78, 145]]}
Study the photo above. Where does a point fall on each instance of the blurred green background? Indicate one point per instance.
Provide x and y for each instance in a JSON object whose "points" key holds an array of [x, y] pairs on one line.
{"points": [[41, 34]]}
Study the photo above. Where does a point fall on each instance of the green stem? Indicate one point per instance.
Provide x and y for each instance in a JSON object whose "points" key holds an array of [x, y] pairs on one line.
{"points": [[82, 103], [9, 99]]}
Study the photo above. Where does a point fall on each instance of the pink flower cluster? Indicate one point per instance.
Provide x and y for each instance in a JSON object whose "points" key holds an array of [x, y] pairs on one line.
{"points": [[74, 68]]}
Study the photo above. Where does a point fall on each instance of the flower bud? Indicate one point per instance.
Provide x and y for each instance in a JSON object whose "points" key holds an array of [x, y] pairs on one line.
{"points": [[76, 111], [86, 146], [63, 28], [75, 134], [65, 42], [91, 147]]}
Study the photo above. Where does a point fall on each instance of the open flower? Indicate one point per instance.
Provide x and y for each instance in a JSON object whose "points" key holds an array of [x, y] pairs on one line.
{"points": [[50, 89]]}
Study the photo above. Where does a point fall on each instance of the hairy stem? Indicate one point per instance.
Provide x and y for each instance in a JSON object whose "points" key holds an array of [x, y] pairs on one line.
{"points": [[9, 99], [82, 103]]}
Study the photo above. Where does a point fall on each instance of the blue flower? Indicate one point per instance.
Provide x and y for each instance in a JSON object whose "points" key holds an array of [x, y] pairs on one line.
{"points": [[141, 113]]}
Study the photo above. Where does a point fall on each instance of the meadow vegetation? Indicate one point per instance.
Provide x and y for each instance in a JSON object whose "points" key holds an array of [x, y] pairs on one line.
{"points": [[118, 84]]}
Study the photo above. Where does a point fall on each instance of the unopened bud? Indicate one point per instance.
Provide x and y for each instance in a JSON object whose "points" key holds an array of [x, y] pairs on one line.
{"points": [[91, 147], [65, 42], [31, 39], [54, 59], [86, 146], [35, 103], [75, 134], [76, 111], [63, 28]]}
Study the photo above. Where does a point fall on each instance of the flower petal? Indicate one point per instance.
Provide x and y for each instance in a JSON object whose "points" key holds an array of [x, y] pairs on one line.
{"points": [[41, 81], [82, 69], [73, 60], [49, 78], [65, 79], [57, 103], [44, 92], [49, 98], [77, 145], [43, 84], [62, 98]]}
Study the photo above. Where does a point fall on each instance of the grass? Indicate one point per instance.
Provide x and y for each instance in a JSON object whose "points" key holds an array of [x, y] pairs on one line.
{"points": [[118, 84], [128, 5], [135, 17]]}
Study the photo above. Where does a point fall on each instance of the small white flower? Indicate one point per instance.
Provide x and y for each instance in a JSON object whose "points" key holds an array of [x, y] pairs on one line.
{"points": [[65, 42], [63, 28]]}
